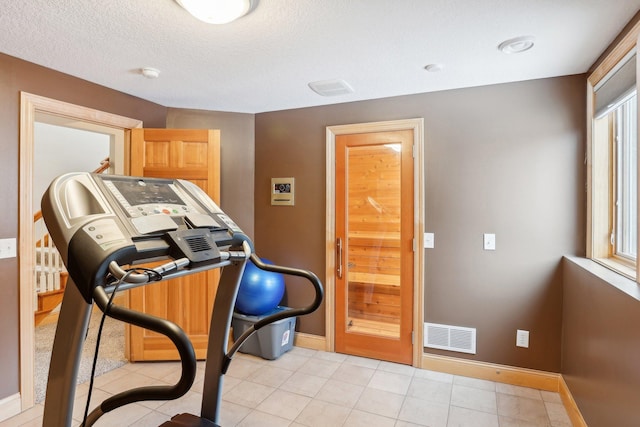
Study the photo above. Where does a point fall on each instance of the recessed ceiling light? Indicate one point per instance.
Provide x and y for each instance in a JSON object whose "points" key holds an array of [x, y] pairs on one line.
{"points": [[434, 68], [150, 73], [331, 87], [516, 45]]}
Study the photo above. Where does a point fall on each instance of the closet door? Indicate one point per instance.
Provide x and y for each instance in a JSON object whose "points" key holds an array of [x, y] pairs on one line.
{"points": [[194, 155]]}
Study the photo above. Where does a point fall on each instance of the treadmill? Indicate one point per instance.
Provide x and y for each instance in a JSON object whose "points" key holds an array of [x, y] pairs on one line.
{"points": [[106, 225]]}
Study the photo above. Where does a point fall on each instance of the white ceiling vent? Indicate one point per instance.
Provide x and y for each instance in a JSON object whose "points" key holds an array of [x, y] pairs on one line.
{"points": [[331, 87], [453, 338]]}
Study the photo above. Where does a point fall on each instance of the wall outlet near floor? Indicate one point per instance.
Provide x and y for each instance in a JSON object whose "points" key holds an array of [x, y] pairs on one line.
{"points": [[8, 248], [522, 338]]}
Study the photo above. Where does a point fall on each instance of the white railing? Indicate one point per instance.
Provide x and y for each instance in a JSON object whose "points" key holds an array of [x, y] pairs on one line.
{"points": [[48, 264]]}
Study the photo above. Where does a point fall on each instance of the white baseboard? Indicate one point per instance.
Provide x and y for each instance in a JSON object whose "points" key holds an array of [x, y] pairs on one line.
{"points": [[10, 406]]}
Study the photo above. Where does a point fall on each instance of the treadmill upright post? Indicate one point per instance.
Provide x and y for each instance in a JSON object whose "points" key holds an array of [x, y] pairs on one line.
{"points": [[73, 323], [218, 339]]}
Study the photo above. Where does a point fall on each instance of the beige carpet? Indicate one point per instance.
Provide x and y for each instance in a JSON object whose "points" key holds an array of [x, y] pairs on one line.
{"points": [[111, 353]]}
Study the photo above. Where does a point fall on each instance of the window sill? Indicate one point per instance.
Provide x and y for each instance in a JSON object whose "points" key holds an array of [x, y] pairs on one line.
{"points": [[617, 266], [606, 274]]}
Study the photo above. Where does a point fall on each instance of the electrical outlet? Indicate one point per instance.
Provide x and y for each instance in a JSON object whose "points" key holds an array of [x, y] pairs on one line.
{"points": [[522, 338], [489, 242], [8, 248]]}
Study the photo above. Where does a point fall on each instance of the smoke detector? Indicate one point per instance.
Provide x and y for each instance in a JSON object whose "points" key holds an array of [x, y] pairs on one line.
{"points": [[516, 45], [150, 73], [434, 68]]}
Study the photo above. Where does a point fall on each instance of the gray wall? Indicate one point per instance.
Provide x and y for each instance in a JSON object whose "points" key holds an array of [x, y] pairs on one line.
{"points": [[601, 343], [505, 159], [237, 157], [15, 76]]}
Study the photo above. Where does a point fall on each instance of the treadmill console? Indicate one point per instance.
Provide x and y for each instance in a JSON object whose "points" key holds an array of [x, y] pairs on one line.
{"points": [[95, 219], [154, 205]]}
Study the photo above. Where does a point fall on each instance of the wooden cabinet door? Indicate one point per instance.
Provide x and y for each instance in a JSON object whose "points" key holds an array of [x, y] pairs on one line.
{"points": [[193, 155]]}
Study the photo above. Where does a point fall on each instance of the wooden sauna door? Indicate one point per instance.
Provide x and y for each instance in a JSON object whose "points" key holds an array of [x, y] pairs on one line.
{"points": [[374, 235], [192, 155]]}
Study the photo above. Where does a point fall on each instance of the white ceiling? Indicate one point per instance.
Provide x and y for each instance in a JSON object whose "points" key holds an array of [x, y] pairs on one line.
{"points": [[265, 60]]}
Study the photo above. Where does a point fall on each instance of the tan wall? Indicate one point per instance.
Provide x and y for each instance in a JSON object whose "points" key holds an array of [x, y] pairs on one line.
{"points": [[504, 159], [237, 157], [601, 344], [16, 76]]}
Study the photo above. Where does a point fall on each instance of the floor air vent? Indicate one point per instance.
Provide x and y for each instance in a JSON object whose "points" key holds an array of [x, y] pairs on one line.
{"points": [[447, 337]]}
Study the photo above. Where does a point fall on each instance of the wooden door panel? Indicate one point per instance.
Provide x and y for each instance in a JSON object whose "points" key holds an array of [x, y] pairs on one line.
{"points": [[157, 154], [191, 155], [194, 155], [374, 220]]}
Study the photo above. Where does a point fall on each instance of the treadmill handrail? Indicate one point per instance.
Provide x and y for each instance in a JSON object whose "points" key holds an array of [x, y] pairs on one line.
{"points": [[156, 324], [171, 269], [285, 314]]}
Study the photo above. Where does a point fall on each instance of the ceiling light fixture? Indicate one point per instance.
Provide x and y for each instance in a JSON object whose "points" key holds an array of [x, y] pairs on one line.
{"points": [[516, 45], [218, 11]]}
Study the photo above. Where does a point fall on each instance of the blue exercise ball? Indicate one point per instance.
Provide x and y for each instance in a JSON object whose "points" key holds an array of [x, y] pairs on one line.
{"points": [[260, 291]]}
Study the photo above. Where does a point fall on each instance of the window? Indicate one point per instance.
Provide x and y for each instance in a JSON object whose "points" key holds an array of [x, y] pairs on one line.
{"points": [[624, 235], [613, 165]]}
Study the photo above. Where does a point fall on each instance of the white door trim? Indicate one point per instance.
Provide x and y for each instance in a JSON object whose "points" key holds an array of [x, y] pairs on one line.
{"points": [[417, 125], [30, 106]]}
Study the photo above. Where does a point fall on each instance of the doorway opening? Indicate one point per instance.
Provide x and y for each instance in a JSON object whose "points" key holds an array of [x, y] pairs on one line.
{"points": [[37, 109], [61, 147]]}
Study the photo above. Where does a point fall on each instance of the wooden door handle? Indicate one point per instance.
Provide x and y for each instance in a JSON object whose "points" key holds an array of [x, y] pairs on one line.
{"points": [[339, 256]]}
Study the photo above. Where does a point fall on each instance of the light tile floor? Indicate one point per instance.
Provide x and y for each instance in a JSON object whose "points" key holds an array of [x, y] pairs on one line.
{"points": [[313, 388]]}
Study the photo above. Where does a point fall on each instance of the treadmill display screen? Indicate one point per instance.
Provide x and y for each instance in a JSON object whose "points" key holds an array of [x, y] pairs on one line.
{"points": [[146, 193], [153, 196]]}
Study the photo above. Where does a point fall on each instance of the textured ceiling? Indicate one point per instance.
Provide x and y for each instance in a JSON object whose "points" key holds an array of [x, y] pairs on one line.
{"points": [[265, 60]]}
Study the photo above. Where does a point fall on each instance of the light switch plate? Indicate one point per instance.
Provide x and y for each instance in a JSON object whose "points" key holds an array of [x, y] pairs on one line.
{"points": [[522, 338], [8, 248], [429, 240], [489, 242]]}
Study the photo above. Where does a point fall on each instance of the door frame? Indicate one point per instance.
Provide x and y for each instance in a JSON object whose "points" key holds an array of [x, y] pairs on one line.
{"points": [[417, 126], [79, 117]]}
